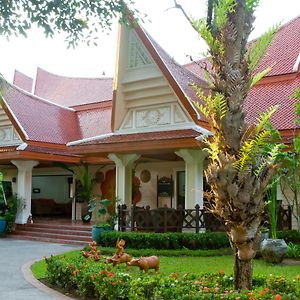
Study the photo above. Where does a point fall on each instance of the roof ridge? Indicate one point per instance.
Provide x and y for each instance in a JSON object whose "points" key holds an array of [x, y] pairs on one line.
{"points": [[35, 97], [71, 77]]}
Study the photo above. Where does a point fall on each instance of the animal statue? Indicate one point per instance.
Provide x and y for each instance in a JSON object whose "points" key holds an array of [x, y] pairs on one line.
{"points": [[118, 259], [120, 246], [145, 263], [92, 252]]}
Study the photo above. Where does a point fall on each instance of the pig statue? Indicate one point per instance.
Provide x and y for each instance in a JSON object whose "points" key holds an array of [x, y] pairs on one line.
{"points": [[118, 259], [145, 263]]}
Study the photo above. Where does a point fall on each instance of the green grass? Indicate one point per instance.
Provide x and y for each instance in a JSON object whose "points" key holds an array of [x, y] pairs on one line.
{"points": [[192, 264]]}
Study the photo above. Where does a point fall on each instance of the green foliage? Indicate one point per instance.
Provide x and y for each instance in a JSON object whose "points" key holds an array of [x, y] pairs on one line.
{"points": [[221, 9], [293, 251], [290, 236], [97, 280], [104, 216], [214, 44], [259, 149], [139, 240], [251, 5], [256, 78], [272, 207], [80, 20], [258, 48]]}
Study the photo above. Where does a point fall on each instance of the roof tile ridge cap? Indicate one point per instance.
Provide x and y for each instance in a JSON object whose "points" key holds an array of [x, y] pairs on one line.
{"points": [[93, 103], [37, 97], [90, 139], [71, 77]]}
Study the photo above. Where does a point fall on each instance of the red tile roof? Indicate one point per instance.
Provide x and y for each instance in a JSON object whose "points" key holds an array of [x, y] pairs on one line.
{"points": [[71, 91], [282, 54], [94, 122], [263, 96], [144, 136], [40, 120], [23, 81]]}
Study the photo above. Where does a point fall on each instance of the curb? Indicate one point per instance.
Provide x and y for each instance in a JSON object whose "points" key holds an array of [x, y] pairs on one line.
{"points": [[26, 270]]}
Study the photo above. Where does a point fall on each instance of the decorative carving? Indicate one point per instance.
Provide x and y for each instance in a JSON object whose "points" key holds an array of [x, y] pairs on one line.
{"points": [[154, 116], [9, 136], [138, 55]]}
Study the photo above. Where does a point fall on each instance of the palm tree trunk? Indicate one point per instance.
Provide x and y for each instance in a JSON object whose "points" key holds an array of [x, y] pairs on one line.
{"points": [[242, 273]]}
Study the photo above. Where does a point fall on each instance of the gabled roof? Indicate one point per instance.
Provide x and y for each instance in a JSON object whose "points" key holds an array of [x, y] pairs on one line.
{"points": [[39, 120], [23, 81], [178, 76], [72, 91]]}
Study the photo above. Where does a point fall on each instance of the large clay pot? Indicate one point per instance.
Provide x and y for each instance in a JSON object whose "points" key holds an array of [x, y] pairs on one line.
{"points": [[273, 250]]}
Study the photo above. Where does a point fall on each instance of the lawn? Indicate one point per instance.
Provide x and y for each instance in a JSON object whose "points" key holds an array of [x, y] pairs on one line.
{"points": [[196, 264]]}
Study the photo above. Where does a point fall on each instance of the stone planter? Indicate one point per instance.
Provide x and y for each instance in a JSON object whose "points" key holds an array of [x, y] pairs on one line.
{"points": [[273, 250]]}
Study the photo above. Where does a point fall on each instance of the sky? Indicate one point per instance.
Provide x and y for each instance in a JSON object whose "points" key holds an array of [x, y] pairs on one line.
{"points": [[166, 25]]}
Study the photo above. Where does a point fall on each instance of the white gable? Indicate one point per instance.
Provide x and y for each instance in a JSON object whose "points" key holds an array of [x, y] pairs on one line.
{"points": [[144, 99], [8, 134]]}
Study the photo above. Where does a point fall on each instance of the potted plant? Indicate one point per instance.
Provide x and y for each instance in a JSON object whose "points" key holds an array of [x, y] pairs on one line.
{"points": [[104, 217], [273, 249]]}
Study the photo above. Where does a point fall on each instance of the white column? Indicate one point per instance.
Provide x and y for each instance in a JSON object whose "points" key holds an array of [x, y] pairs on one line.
{"points": [[124, 163], [24, 183], [193, 176]]}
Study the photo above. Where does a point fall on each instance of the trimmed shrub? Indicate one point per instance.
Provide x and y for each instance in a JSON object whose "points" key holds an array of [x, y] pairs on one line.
{"points": [[170, 240]]}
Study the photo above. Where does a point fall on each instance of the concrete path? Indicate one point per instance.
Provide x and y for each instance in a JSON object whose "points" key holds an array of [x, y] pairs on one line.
{"points": [[13, 255]]}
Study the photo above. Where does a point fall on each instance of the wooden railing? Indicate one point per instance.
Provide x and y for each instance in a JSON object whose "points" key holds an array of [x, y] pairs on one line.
{"points": [[175, 220]]}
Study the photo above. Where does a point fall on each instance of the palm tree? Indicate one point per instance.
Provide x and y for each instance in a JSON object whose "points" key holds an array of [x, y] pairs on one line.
{"points": [[242, 157]]}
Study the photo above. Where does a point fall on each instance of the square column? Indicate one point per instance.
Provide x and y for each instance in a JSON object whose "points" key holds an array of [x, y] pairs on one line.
{"points": [[24, 184], [193, 176], [124, 163]]}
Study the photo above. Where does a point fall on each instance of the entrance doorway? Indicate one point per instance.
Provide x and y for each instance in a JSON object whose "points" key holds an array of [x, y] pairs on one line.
{"points": [[180, 189], [51, 196]]}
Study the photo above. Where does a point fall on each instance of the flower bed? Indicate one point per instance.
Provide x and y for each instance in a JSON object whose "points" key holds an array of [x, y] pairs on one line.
{"points": [[96, 279]]}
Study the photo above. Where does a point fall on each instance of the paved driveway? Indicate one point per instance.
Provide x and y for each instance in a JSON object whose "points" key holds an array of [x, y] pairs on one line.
{"points": [[13, 255]]}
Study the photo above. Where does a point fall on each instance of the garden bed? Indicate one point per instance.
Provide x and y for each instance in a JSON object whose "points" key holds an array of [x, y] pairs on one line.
{"points": [[181, 277]]}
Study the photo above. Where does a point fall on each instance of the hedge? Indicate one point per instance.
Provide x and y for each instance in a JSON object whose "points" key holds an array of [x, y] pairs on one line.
{"points": [[171, 240], [138, 240]]}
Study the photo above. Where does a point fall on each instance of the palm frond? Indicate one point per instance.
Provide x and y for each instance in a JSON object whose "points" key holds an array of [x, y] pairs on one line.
{"points": [[257, 50], [265, 117], [259, 76]]}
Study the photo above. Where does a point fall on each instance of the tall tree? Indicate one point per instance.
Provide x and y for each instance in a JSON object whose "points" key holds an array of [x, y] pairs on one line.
{"points": [[79, 19], [242, 157]]}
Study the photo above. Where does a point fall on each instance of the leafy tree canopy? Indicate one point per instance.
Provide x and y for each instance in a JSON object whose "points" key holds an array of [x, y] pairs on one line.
{"points": [[79, 19]]}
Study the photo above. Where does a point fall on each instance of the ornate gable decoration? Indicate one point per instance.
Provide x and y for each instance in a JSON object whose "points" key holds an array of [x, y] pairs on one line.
{"points": [[156, 117], [8, 134], [138, 55]]}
